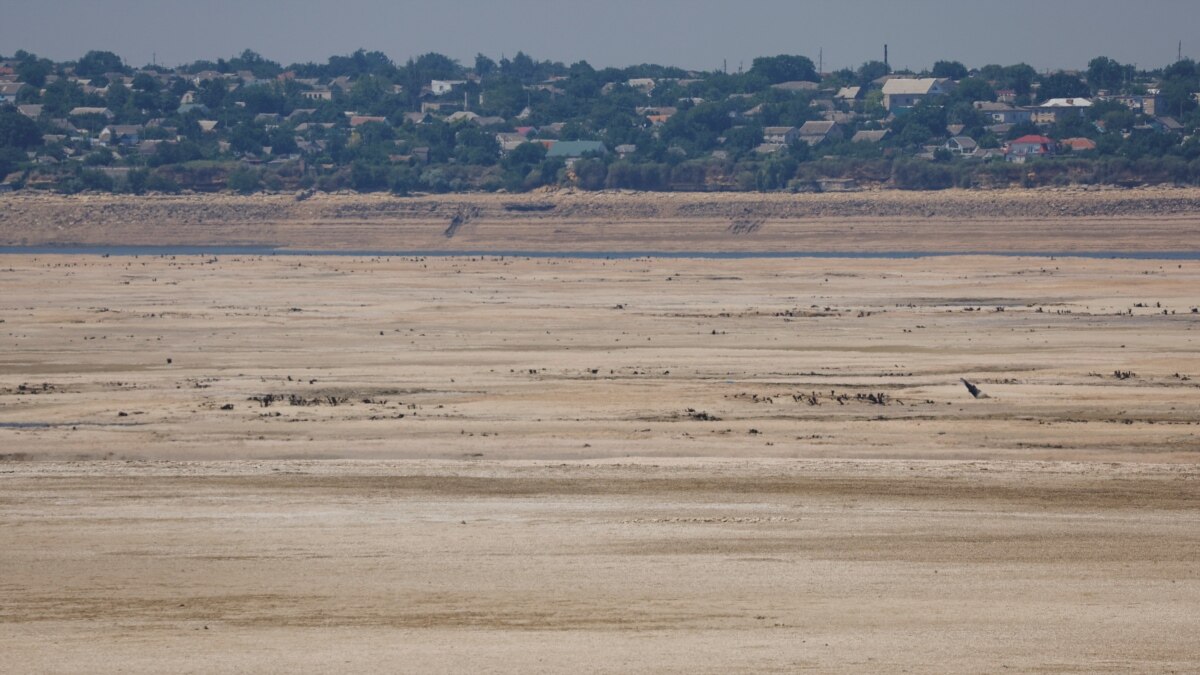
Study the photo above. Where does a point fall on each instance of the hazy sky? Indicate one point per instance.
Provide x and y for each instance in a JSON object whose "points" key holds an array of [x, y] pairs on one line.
{"points": [[689, 33]]}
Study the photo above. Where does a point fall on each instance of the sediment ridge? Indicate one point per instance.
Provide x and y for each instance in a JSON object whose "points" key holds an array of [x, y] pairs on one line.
{"points": [[1142, 219]]}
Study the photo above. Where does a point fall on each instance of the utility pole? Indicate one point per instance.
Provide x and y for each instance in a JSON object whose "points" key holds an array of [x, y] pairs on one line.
{"points": [[820, 60], [885, 55], [1179, 54]]}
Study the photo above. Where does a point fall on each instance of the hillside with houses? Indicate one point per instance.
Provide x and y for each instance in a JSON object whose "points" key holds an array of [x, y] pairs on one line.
{"points": [[434, 125]]}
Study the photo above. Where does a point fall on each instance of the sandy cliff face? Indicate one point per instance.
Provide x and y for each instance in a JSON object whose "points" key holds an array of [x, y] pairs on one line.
{"points": [[1143, 219]]}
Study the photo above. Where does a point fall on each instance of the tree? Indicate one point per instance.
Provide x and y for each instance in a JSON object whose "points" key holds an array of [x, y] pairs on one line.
{"points": [[951, 69], [484, 66], [244, 180], [1180, 80], [95, 64], [33, 71], [1019, 78], [1062, 85], [590, 173], [10, 159], [17, 130], [1105, 73], [871, 71], [145, 82], [974, 89], [784, 68]]}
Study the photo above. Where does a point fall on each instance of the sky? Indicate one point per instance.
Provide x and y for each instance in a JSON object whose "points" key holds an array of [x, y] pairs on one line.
{"points": [[693, 34]]}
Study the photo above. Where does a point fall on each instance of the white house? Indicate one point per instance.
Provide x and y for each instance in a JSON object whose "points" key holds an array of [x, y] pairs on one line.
{"points": [[440, 87], [780, 135], [905, 93]]}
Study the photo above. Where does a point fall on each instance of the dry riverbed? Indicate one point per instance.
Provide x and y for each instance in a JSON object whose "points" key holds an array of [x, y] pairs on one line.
{"points": [[281, 464]]}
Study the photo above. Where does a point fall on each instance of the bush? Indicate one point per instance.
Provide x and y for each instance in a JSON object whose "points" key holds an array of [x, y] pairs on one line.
{"points": [[590, 174], [157, 182], [911, 174], [244, 180]]}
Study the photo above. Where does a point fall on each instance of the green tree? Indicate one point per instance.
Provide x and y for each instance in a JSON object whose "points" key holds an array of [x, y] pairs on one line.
{"points": [[33, 71], [784, 68], [484, 67], [1062, 85], [244, 180], [871, 71], [951, 69], [146, 82], [18, 131], [10, 160], [96, 63], [1105, 73], [590, 173], [1019, 78]]}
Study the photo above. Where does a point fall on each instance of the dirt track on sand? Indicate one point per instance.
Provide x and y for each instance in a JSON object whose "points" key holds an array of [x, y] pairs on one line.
{"points": [[1144, 219], [604, 465]]}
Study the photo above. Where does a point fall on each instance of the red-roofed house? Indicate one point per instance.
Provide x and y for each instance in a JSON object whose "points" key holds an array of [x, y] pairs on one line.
{"points": [[359, 120], [1031, 146], [1079, 144]]}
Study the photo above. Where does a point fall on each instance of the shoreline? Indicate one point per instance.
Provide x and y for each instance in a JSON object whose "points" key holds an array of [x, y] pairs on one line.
{"points": [[953, 221]]}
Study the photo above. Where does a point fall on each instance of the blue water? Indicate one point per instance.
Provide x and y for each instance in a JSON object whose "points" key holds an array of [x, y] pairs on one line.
{"points": [[595, 255]]}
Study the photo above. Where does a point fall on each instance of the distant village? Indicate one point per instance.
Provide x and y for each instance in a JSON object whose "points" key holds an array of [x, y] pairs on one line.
{"points": [[362, 122]]}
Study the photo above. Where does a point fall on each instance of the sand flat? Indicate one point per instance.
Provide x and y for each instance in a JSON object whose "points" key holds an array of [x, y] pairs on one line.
{"points": [[539, 465]]}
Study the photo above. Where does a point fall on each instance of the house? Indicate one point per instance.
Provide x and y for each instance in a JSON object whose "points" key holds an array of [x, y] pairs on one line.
{"points": [[1078, 144], [206, 75], [1027, 147], [961, 145], [1055, 109], [1006, 96], [147, 148], [31, 110], [1151, 104], [848, 94], [576, 149], [769, 148], [780, 135], [842, 118], [208, 126], [1168, 125], [9, 91], [418, 117], [462, 116], [124, 134], [626, 149], [796, 86], [85, 110], [987, 154], [814, 133], [1003, 113], [443, 87], [318, 94], [509, 141], [871, 136], [488, 121], [305, 127], [904, 93], [643, 84], [359, 120]]}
